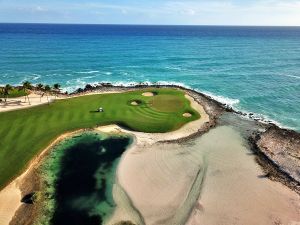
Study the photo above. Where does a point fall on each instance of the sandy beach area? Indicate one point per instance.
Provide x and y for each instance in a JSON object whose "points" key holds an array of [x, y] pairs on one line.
{"points": [[20, 103], [235, 189], [160, 182]]}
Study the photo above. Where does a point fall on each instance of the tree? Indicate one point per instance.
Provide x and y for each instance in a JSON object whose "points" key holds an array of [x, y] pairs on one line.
{"points": [[40, 88], [6, 90], [47, 90], [1, 93], [26, 86], [56, 87]]}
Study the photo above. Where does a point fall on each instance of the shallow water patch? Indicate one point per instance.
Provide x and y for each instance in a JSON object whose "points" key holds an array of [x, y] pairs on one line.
{"points": [[78, 177]]}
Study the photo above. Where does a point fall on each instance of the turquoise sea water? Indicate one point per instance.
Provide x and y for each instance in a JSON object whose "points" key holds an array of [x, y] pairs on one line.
{"points": [[253, 69]]}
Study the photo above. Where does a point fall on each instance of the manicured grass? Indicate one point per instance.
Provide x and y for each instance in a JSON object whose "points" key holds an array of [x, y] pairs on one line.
{"points": [[166, 103], [24, 133], [14, 93]]}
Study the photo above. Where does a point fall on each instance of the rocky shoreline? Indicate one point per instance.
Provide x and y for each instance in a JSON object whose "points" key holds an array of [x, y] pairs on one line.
{"points": [[278, 152]]}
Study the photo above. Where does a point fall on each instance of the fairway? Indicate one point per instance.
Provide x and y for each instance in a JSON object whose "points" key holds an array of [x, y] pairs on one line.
{"points": [[25, 133]]}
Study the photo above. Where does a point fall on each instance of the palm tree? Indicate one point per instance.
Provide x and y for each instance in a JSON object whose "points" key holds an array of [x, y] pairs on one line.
{"points": [[56, 87], [6, 90], [26, 86], [47, 90], [40, 88], [1, 93]]}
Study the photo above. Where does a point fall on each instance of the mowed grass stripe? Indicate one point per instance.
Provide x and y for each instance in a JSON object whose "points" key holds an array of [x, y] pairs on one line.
{"points": [[26, 132], [150, 113]]}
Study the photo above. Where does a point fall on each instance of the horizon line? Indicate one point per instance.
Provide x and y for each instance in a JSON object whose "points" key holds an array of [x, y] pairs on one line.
{"points": [[137, 24]]}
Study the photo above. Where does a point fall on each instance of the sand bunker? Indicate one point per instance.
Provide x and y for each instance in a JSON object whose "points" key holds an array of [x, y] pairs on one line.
{"points": [[187, 115], [134, 103], [148, 94]]}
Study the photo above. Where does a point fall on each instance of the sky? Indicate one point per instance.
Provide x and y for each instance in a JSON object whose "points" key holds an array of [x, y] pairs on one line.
{"points": [[178, 12]]}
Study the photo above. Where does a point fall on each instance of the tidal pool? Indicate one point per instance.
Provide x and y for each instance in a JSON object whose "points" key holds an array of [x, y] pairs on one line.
{"points": [[78, 176]]}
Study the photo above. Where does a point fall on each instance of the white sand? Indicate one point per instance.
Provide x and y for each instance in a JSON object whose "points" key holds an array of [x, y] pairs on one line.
{"points": [[20, 103], [186, 115], [9, 202], [233, 193], [134, 103], [148, 94], [159, 178]]}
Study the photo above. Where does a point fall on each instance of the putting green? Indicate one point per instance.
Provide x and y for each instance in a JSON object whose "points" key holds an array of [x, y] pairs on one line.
{"points": [[24, 133], [166, 103]]}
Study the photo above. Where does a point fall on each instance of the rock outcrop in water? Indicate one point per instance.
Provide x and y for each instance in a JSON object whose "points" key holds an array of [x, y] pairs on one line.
{"points": [[282, 148]]}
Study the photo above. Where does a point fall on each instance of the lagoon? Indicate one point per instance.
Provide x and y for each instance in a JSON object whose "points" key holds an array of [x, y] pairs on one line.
{"points": [[78, 176]]}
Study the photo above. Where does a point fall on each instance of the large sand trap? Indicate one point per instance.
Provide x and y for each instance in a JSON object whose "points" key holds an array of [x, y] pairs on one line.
{"points": [[161, 178], [148, 94]]}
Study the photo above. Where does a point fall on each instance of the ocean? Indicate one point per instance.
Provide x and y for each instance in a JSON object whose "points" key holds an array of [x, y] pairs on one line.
{"points": [[252, 69]]}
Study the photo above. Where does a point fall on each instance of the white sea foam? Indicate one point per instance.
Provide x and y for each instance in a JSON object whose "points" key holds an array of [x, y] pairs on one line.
{"points": [[293, 76], [31, 77], [264, 119], [224, 100], [88, 72], [88, 77], [36, 77], [174, 68]]}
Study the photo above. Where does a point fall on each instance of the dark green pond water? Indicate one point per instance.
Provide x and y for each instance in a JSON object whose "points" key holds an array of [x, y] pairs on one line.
{"points": [[79, 175]]}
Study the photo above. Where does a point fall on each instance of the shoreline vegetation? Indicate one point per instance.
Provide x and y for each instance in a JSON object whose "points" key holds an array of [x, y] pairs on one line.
{"points": [[274, 164]]}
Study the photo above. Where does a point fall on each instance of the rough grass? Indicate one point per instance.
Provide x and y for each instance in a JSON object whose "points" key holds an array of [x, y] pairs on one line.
{"points": [[14, 93], [24, 133]]}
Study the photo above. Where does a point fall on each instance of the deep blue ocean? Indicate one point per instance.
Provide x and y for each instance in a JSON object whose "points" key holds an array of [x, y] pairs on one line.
{"points": [[253, 69]]}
